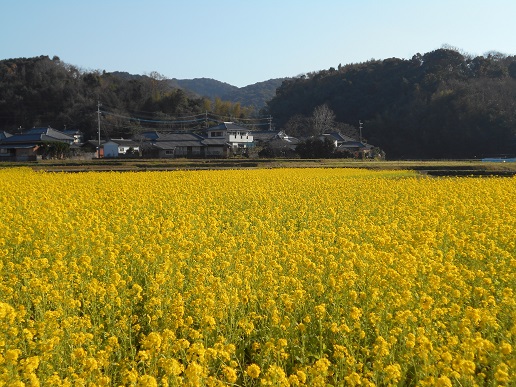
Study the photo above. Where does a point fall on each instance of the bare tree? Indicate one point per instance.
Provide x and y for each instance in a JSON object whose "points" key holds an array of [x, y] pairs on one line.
{"points": [[324, 119], [158, 84]]}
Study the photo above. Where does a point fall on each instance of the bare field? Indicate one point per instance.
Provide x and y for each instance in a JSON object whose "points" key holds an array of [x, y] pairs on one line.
{"points": [[433, 167]]}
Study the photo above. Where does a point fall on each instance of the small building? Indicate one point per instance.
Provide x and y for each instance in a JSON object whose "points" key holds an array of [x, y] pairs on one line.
{"points": [[172, 145], [337, 138], [217, 147], [117, 147], [275, 143], [348, 145]]}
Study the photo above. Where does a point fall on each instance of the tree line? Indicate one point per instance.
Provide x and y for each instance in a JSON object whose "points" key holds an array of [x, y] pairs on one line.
{"points": [[443, 104]]}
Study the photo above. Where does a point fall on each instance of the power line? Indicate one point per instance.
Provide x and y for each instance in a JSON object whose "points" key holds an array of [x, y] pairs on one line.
{"points": [[139, 119], [197, 118]]}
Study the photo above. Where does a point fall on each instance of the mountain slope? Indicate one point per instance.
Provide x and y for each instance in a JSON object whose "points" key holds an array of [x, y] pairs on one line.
{"points": [[256, 95], [205, 87]]}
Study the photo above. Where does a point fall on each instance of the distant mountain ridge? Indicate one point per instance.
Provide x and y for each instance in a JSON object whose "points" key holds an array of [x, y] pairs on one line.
{"points": [[256, 95], [204, 87]]}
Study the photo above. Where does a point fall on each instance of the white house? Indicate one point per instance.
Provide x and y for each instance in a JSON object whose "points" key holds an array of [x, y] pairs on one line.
{"points": [[228, 137], [119, 146]]}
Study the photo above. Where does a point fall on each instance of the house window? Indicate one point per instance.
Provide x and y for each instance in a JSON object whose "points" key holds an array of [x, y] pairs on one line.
{"points": [[169, 152]]}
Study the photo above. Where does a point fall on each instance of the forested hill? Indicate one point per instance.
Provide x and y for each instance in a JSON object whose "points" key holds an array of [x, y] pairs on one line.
{"points": [[442, 104], [41, 91]]}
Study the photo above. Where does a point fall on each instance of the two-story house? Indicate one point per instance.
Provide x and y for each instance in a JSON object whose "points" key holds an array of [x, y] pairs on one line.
{"points": [[227, 139]]}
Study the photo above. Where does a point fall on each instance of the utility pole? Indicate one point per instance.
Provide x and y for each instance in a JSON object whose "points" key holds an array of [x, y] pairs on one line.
{"points": [[98, 119], [360, 130], [270, 122]]}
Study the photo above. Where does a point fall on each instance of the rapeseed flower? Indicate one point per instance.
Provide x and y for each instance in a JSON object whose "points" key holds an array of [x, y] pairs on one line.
{"points": [[300, 276], [253, 371]]}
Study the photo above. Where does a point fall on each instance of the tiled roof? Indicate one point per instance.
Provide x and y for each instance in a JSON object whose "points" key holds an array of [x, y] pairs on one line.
{"points": [[124, 142], [228, 126], [339, 137], [178, 137], [174, 144], [50, 133], [38, 135], [4, 135], [352, 144], [170, 136], [214, 141], [264, 135]]}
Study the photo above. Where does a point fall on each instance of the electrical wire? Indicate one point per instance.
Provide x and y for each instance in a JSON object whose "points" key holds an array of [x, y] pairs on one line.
{"points": [[203, 117], [136, 119]]}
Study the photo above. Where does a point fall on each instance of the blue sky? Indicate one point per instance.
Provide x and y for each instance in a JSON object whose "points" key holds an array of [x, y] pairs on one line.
{"points": [[244, 42]]}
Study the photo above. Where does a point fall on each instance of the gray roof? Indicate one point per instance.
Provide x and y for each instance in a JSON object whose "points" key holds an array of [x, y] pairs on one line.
{"points": [[50, 133], [174, 144], [124, 142], [170, 136], [38, 135], [352, 145], [214, 141], [339, 137], [4, 135], [179, 137], [229, 126], [265, 135], [272, 135], [290, 140]]}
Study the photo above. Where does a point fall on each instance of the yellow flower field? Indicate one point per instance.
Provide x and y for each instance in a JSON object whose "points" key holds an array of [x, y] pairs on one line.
{"points": [[287, 277]]}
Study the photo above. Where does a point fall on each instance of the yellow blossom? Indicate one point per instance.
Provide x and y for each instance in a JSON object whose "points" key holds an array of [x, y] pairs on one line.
{"points": [[502, 373], [147, 381], [229, 374], [253, 371]]}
